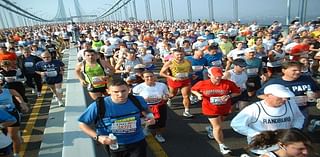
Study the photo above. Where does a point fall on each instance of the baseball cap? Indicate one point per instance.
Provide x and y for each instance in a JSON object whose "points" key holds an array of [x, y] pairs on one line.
{"points": [[247, 50], [296, 37], [139, 66], [240, 62], [278, 90], [215, 71], [201, 38]]}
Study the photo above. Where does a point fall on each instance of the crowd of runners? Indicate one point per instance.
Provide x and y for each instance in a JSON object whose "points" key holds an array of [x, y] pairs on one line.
{"points": [[227, 67]]}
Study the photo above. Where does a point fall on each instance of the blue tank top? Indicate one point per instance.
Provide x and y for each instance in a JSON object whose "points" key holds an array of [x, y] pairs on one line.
{"points": [[6, 102]]}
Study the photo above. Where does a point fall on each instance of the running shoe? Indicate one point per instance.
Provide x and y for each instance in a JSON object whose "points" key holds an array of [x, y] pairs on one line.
{"points": [[224, 149], [159, 138], [187, 114]]}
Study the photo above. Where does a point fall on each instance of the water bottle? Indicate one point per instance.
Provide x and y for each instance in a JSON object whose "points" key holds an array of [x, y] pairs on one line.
{"points": [[310, 95], [114, 146], [313, 124]]}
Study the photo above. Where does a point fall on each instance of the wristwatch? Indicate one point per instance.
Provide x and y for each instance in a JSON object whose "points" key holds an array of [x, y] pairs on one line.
{"points": [[96, 138]]}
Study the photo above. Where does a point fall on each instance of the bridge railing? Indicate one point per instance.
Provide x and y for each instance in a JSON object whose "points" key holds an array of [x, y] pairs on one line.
{"points": [[75, 142]]}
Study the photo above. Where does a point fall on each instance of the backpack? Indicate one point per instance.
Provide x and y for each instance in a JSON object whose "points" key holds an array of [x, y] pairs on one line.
{"points": [[102, 109]]}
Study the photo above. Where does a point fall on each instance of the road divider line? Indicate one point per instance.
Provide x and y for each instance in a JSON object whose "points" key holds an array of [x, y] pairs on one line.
{"points": [[155, 147], [27, 132]]}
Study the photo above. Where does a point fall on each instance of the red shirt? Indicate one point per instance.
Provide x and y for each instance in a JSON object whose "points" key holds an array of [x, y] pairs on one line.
{"points": [[298, 49], [212, 92], [8, 56]]}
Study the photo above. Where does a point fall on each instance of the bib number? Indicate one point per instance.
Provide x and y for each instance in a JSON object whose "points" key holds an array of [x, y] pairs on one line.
{"points": [[127, 125]]}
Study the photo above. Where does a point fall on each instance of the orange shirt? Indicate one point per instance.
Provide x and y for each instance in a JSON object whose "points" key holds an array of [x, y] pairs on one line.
{"points": [[8, 56]]}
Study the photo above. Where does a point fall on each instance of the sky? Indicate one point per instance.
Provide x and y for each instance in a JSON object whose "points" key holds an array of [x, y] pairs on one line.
{"points": [[260, 10]]}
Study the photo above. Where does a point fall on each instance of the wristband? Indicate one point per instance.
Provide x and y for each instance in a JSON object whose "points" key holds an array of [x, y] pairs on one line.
{"points": [[96, 138]]}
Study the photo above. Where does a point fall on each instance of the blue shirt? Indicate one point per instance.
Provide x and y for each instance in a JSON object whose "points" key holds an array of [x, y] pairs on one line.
{"points": [[214, 59], [123, 120], [6, 102], [6, 117], [196, 63], [51, 68]]}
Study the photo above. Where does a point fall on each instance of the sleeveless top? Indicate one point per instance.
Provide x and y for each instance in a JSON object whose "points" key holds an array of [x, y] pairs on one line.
{"points": [[278, 58], [271, 154], [180, 70], [96, 44], [239, 79], [131, 64], [6, 102], [94, 74]]}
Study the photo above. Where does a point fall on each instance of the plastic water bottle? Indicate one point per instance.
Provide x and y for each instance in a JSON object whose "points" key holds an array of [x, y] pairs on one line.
{"points": [[310, 95], [114, 146], [313, 125]]}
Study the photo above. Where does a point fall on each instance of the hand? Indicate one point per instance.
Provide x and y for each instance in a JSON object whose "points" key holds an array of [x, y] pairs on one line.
{"points": [[43, 73], [105, 140], [150, 121], [24, 107], [225, 97], [199, 97], [83, 82], [174, 79]]}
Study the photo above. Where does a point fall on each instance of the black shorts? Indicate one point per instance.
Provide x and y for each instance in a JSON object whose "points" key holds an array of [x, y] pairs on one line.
{"points": [[15, 113], [161, 122], [137, 149], [57, 79], [243, 97], [253, 83], [98, 90], [6, 150]]}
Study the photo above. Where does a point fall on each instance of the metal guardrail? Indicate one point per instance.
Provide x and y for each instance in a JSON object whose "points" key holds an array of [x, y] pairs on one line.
{"points": [[75, 142]]}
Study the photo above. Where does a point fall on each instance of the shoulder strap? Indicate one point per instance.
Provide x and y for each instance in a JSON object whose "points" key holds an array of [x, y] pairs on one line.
{"points": [[136, 103], [98, 61], [101, 109]]}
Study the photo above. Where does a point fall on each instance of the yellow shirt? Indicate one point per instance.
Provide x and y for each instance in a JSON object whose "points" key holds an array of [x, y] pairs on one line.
{"points": [[180, 70]]}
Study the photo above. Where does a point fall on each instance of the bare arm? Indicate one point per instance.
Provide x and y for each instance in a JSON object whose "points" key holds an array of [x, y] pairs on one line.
{"points": [[23, 104], [79, 75], [164, 71]]}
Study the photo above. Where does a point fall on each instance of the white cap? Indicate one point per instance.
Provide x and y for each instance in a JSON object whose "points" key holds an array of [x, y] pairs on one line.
{"points": [[247, 50], [201, 38], [278, 90]]}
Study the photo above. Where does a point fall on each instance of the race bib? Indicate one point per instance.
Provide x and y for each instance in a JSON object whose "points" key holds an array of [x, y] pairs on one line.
{"points": [[182, 75], [52, 73], [216, 101], [216, 63], [28, 64], [126, 125], [301, 100], [97, 80], [10, 79], [153, 99], [252, 71], [197, 68]]}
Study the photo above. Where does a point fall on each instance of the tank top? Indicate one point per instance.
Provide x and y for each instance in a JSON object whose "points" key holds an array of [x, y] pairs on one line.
{"points": [[239, 79], [93, 75], [271, 154], [278, 57], [131, 64], [96, 44], [180, 70], [6, 102]]}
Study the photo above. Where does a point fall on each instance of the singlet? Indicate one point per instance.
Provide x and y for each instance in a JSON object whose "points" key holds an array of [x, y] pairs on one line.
{"points": [[131, 64], [93, 75], [180, 70], [253, 67], [239, 79], [96, 44], [6, 102], [278, 57], [271, 154]]}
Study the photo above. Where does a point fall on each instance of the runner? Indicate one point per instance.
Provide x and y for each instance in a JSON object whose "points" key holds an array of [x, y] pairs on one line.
{"points": [[216, 94], [178, 71]]}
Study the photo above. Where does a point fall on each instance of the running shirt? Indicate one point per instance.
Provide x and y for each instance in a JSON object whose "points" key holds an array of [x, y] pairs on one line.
{"points": [[211, 94], [299, 87], [52, 70], [123, 120], [198, 65], [254, 66], [6, 102], [151, 94], [259, 117], [278, 59], [180, 70], [214, 60], [239, 79], [94, 74]]}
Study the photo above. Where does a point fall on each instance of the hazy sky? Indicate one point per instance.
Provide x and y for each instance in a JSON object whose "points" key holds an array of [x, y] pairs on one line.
{"points": [[223, 9]]}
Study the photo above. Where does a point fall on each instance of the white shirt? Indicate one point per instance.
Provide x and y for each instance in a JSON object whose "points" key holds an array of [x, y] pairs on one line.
{"points": [[236, 53], [259, 117], [155, 92]]}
